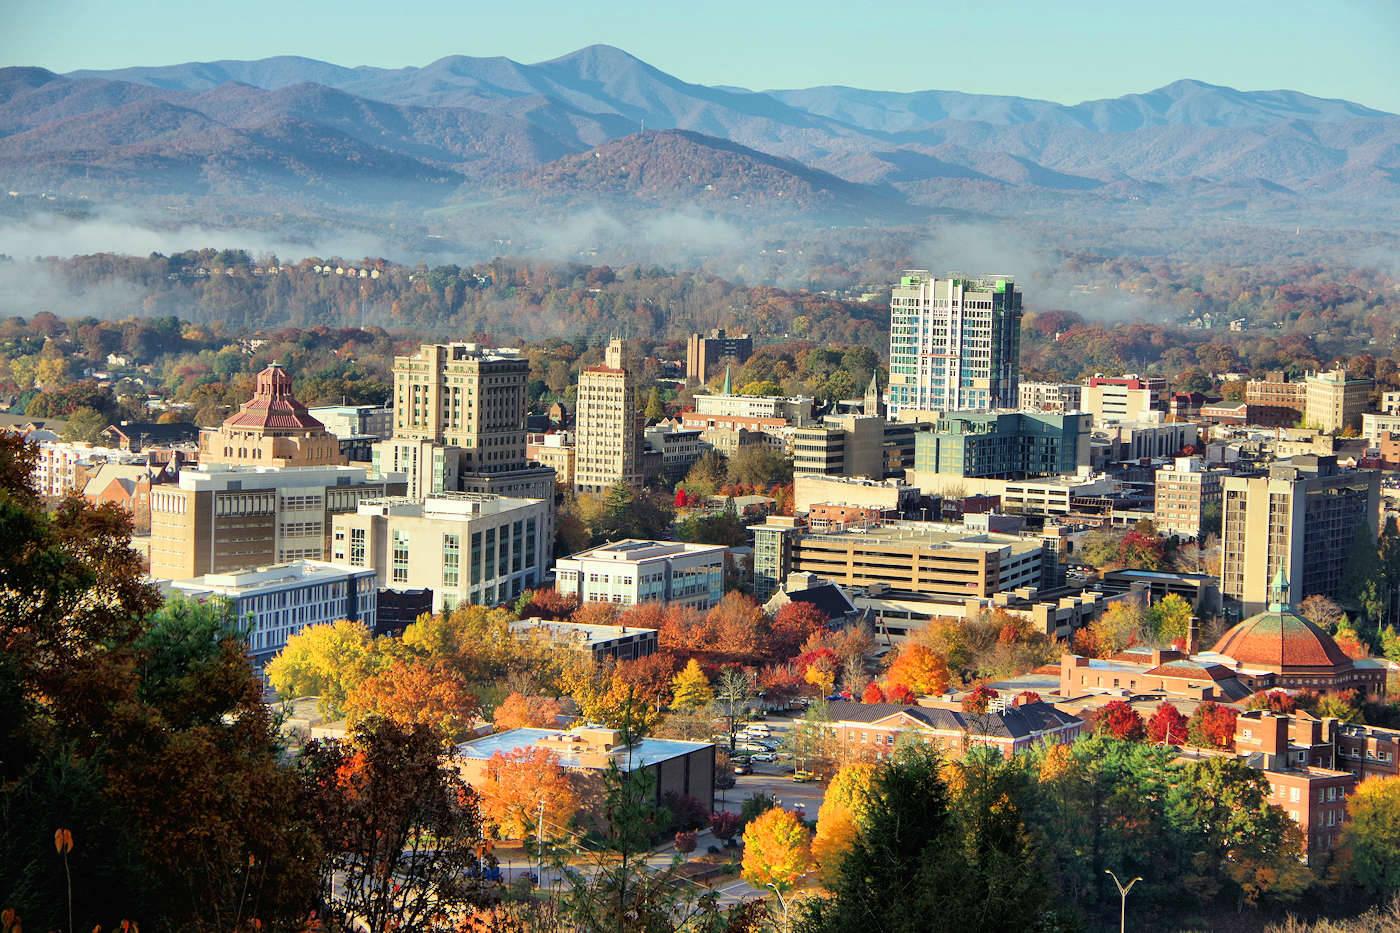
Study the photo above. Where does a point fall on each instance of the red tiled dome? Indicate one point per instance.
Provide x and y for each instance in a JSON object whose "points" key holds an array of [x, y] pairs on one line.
{"points": [[273, 406], [1278, 640]]}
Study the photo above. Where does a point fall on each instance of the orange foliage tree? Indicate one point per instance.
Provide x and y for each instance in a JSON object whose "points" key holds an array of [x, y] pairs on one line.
{"points": [[920, 669], [515, 784], [416, 693], [792, 625], [518, 711]]}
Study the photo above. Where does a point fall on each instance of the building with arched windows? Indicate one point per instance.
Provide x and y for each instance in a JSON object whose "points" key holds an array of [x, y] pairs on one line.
{"points": [[271, 429]]}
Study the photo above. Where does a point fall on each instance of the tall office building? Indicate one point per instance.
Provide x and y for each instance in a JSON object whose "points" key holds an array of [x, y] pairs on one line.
{"points": [[1336, 400], [466, 396], [1303, 518], [955, 343], [1004, 445], [608, 424], [704, 354]]}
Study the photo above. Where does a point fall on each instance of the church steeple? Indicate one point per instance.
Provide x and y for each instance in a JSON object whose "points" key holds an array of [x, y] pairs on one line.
{"points": [[874, 404], [1278, 592]]}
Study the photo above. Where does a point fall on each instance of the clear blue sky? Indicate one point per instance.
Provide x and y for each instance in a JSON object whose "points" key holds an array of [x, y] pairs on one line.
{"points": [[1054, 49]]}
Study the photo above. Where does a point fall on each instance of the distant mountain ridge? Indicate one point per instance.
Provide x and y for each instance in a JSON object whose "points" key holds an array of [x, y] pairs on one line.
{"points": [[490, 125]]}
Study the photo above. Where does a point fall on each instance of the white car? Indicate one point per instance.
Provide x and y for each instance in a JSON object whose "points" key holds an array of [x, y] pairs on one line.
{"points": [[763, 756]]}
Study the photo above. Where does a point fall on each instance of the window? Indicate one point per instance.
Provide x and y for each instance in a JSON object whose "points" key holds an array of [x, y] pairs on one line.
{"points": [[357, 547], [400, 557], [451, 561], [1293, 795]]}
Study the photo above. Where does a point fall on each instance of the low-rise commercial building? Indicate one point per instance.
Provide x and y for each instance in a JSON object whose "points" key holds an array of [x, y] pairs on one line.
{"points": [[555, 451], [632, 572], [1051, 396], [795, 411], [1123, 398], [467, 548], [279, 601], [672, 766], [373, 421], [602, 642]]}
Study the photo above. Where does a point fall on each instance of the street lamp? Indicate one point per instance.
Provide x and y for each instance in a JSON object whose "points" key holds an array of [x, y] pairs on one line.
{"points": [[1122, 899]]}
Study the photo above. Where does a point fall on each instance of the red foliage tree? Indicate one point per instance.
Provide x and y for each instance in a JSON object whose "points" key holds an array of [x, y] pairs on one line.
{"points": [[650, 676], [682, 500], [1212, 726], [725, 825], [548, 603], [1119, 720], [781, 682], [898, 693], [1166, 725], [792, 625], [979, 698], [873, 693], [1275, 701], [1086, 644]]}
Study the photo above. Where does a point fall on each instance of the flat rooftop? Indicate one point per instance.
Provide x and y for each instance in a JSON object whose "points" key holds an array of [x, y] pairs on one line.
{"points": [[644, 753], [634, 549], [929, 534], [292, 573], [586, 633]]}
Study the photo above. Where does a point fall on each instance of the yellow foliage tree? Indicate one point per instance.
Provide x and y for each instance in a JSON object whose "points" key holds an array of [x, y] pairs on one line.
{"points": [[839, 818], [691, 688], [325, 661], [777, 849]]}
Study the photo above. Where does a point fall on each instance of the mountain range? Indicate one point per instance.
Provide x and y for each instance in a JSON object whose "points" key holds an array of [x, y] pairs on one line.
{"points": [[600, 124]]}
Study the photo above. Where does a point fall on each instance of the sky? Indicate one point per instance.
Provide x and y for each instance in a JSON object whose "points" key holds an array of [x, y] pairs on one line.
{"points": [[1062, 50]]}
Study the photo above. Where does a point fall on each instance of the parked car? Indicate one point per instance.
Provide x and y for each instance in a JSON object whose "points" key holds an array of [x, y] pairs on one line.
{"points": [[803, 777], [743, 767], [764, 757]]}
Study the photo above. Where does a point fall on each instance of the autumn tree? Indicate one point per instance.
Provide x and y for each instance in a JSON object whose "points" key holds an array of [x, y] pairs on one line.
{"points": [[839, 816], [1371, 835], [395, 811], [1120, 626], [1119, 720], [979, 699], [690, 689], [1169, 620], [518, 711], [325, 661], [777, 850], [873, 693], [1275, 701], [1212, 726], [414, 693], [513, 787], [917, 667], [1167, 725], [792, 625]]}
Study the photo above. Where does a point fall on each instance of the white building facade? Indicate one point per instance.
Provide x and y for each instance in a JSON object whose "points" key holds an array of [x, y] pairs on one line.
{"points": [[632, 572]]}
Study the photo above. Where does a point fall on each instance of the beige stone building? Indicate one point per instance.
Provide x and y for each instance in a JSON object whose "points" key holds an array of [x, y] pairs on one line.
{"points": [[466, 396], [1184, 491], [1302, 518], [1336, 401], [555, 451], [222, 519], [271, 429], [608, 424]]}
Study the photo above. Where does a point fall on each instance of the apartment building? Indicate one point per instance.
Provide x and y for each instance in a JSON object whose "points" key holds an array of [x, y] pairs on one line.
{"points": [[221, 519], [1003, 445], [556, 451], [1302, 518], [279, 601], [1378, 426], [1123, 398], [679, 449], [1276, 399], [1367, 751], [1186, 490], [955, 343], [608, 424], [1050, 396], [1336, 401], [271, 429], [61, 467], [632, 572], [467, 548], [705, 353]]}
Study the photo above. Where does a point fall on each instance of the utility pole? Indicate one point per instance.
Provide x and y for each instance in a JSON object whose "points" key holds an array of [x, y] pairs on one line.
{"points": [[1122, 899], [539, 846]]}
